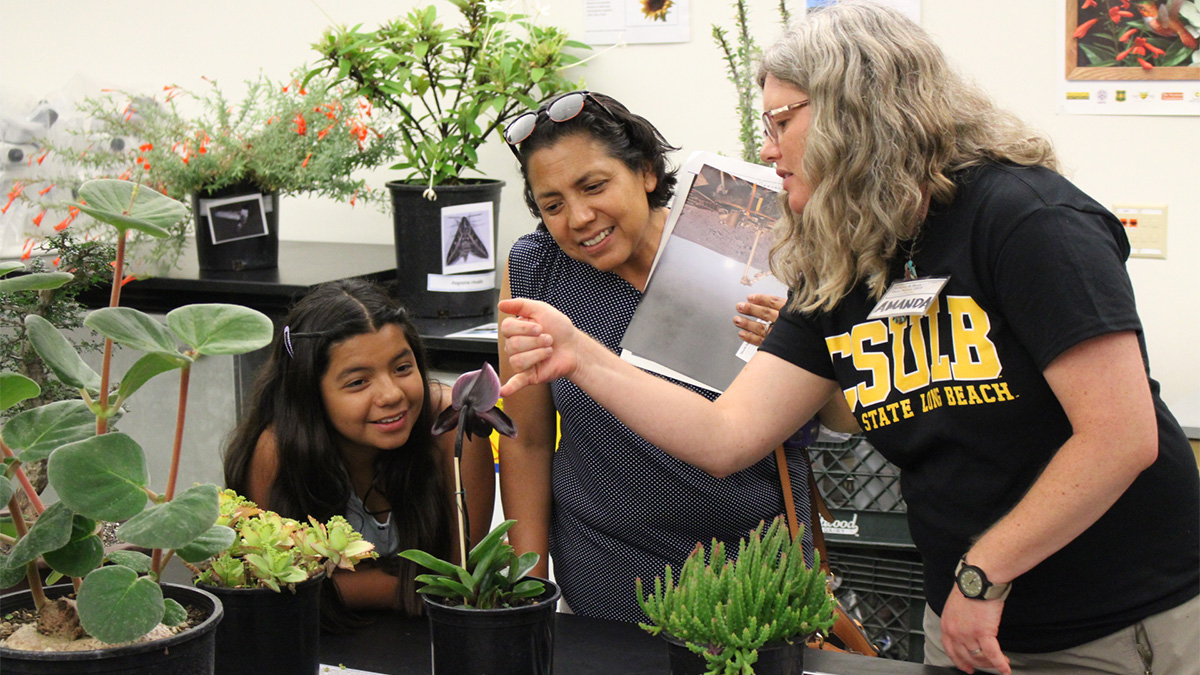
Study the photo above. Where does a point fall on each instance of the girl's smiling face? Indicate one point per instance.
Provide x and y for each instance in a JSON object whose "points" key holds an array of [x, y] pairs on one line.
{"points": [[373, 390]]}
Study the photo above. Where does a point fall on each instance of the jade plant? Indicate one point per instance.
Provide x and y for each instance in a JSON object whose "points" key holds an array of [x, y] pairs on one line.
{"points": [[101, 475], [726, 610], [271, 551], [493, 574]]}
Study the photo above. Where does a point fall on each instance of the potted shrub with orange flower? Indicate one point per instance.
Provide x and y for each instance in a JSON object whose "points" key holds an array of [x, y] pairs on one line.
{"points": [[233, 158]]}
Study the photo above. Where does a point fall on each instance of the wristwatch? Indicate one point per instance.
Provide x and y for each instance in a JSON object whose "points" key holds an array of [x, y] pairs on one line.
{"points": [[974, 584]]}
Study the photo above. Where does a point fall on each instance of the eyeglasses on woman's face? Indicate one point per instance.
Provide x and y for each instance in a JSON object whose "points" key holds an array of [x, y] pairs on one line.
{"points": [[771, 119], [561, 109]]}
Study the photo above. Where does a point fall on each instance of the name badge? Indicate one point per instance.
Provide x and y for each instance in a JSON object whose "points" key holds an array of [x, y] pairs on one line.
{"points": [[911, 297]]}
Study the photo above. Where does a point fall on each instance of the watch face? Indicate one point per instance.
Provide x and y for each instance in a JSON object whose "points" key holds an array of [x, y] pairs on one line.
{"points": [[970, 583]]}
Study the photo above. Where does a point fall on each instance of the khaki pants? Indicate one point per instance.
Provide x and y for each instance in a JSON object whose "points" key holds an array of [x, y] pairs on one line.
{"points": [[1167, 643]]}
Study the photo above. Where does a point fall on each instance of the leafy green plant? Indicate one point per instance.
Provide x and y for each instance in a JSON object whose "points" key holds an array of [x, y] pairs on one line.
{"points": [[283, 136], [725, 611], [740, 58], [451, 88], [270, 551], [494, 575], [101, 476]]}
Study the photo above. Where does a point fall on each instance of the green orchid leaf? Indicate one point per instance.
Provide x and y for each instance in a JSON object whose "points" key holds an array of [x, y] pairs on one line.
{"points": [[135, 560], [11, 575], [132, 328], [51, 531], [216, 539], [146, 368], [102, 477], [491, 541], [525, 563], [38, 432], [15, 388], [430, 562], [442, 585], [176, 523], [36, 281], [221, 329], [60, 355], [77, 558], [529, 588], [174, 613], [116, 605], [126, 206]]}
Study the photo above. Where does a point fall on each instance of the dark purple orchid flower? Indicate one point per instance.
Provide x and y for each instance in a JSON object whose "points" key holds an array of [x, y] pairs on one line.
{"points": [[473, 408]]}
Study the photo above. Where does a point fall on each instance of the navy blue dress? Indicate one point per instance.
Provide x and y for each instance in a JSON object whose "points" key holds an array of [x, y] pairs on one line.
{"points": [[622, 508]]}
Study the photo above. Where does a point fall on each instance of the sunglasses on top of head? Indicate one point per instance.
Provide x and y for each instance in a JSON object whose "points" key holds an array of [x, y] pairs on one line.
{"points": [[565, 107]]}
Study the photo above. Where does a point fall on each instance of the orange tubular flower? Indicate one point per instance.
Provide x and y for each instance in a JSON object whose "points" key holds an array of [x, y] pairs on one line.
{"points": [[1126, 35], [17, 188], [1122, 55], [1088, 3], [1139, 46], [46, 189], [1146, 65], [1115, 13], [146, 147], [301, 125], [304, 164], [1155, 50], [37, 220], [1084, 27]]}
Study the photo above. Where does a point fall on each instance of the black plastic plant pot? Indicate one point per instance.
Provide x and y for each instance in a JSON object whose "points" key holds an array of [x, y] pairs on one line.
{"points": [[237, 228], [774, 658], [443, 247], [508, 641], [269, 632], [188, 653]]}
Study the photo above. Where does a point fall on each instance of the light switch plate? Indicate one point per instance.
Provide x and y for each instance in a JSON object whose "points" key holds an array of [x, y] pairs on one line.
{"points": [[1146, 227]]}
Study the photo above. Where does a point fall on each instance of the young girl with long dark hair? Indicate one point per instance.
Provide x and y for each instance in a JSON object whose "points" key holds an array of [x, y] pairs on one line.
{"points": [[340, 424]]}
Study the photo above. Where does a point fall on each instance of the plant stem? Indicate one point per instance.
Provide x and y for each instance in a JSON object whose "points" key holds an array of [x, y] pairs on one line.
{"points": [[31, 570], [113, 301], [460, 497], [25, 484], [185, 376]]}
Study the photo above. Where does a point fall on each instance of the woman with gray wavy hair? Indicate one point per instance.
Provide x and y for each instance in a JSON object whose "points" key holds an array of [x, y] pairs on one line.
{"points": [[973, 308]]}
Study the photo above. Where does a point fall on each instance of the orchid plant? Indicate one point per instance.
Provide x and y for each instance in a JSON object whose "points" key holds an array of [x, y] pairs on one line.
{"points": [[271, 551], [493, 574], [101, 475]]}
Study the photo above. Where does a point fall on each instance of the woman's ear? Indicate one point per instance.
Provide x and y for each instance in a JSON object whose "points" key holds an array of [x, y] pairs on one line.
{"points": [[649, 178]]}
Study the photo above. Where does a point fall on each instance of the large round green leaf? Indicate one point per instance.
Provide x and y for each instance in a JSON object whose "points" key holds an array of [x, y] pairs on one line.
{"points": [[176, 523], [38, 432], [6, 491], [146, 368], [135, 560], [126, 205], [216, 539], [15, 388], [221, 329], [10, 575], [116, 605], [132, 328], [37, 281], [60, 356], [52, 530], [77, 558], [102, 477], [7, 266]]}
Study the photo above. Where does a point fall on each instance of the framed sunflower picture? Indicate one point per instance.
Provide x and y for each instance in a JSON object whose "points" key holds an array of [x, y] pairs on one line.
{"points": [[1131, 40]]}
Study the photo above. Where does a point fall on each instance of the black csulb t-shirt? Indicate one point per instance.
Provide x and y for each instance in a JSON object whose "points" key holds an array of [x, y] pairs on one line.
{"points": [[958, 402]]}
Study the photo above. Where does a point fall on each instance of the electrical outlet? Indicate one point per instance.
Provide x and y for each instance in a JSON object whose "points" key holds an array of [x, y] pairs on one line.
{"points": [[1146, 227]]}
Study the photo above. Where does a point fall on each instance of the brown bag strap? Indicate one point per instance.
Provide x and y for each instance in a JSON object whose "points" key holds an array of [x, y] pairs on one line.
{"points": [[846, 628]]}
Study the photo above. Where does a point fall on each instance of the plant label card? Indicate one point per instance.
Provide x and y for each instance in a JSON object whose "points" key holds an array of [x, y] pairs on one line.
{"points": [[467, 244], [234, 218]]}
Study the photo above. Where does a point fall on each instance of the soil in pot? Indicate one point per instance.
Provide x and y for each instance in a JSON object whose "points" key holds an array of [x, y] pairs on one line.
{"points": [[186, 653], [268, 632], [508, 641], [775, 658]]}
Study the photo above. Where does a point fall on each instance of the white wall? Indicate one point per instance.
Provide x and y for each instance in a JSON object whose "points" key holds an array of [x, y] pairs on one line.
{"points": [[1011, 48]]}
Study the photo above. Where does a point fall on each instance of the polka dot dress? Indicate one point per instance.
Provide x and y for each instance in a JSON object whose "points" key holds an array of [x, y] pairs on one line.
{"points": [[622, 508]]}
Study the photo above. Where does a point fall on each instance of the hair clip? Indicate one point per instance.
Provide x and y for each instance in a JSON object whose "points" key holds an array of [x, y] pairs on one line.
{"points": [[287, 341]]}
